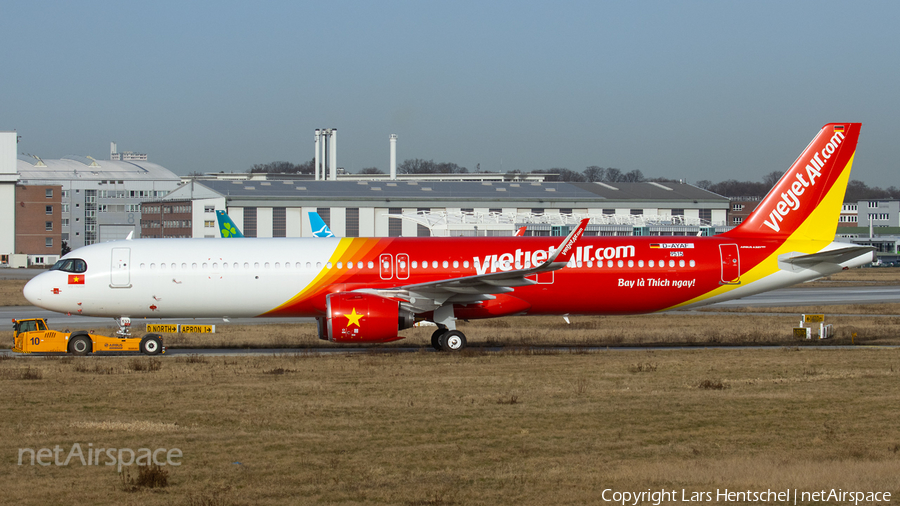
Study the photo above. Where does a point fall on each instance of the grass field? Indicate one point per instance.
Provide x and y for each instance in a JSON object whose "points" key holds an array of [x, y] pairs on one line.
{"points": [[513, 427]]}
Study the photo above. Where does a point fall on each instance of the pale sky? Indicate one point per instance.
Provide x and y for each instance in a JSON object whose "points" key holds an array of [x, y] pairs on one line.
{"points": [[693, 90]]}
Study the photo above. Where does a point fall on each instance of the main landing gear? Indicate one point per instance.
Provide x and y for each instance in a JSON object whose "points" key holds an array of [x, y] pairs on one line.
{"points": [[444, 339]]}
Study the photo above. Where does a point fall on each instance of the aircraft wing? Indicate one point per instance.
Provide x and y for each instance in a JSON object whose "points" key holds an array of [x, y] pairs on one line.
{"points": [[421, 297]]}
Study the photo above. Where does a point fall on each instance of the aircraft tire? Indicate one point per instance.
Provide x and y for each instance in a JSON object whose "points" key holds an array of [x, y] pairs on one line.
{"points": [[453, 341], [151, 345], [436, 338], [80, 345]]}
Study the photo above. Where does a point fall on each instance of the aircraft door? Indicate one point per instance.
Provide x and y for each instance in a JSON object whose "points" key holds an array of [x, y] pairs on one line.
{"points": [[119, 268], [386, 266], [731, 264], [402, 266]]}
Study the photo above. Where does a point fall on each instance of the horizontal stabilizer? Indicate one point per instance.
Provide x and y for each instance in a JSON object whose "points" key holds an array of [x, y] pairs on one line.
{"points": [[834, 256]]}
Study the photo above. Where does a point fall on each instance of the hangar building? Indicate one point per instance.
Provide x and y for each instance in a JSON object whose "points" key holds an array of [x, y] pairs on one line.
{"points": [[394, 208]]}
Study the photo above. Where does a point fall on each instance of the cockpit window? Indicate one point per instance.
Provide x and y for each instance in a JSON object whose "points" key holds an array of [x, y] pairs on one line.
{"points": [[70, 265]]}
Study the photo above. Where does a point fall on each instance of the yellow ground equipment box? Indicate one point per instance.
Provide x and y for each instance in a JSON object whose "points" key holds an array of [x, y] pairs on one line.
{"points": [[33, 336]]}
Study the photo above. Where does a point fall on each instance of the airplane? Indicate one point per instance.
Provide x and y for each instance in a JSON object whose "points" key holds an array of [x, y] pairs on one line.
{"points": [[227, 227], [366, 290]]}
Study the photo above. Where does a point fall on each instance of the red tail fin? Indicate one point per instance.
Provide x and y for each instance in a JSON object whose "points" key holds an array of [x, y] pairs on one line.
{"points": [[811, 192]]}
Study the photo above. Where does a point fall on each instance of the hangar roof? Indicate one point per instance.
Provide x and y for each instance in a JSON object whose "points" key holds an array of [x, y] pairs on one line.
{"points": [[461, 190], [84, 168]]}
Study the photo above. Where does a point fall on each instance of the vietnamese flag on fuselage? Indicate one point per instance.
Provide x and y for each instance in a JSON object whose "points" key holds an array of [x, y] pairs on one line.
{"points": [[76, 279]]}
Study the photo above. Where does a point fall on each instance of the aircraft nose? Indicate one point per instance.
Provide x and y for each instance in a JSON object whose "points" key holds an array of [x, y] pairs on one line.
{"points": [[32, 290]]}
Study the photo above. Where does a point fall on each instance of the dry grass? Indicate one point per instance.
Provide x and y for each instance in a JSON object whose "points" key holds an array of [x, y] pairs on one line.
{"points": [[671, 329], [491, 428], [11, 292]]}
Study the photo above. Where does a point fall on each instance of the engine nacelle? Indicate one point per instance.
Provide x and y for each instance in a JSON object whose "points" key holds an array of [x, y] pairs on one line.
{"points": [[352, 317]]}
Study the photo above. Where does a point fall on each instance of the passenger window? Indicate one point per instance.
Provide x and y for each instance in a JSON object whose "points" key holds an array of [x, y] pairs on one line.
{"points": [[434, 264], [415, 264], [370, 265]]}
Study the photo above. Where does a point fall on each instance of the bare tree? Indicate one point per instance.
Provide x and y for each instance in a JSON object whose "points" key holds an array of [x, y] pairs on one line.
{"points": [[613, 175], [634, 176], [371, 170], [594, 173], [771, 178]]}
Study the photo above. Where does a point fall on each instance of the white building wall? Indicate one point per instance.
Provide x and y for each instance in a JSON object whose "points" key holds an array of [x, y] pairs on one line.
{"points": [[718, 216], [263, 222], [294, 221], [410, 227], [381, 222], [339, 221], [199, 217], [8, 178], [366, 222]]}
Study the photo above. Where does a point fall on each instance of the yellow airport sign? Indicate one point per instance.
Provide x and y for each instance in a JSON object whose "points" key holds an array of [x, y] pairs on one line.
{"points": [[198, 329], [166, 328], [172, 328], [801, 333], [813, 318]]}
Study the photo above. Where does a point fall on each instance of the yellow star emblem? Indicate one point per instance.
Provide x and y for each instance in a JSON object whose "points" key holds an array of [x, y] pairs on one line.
{"points": [[353, 318]]}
